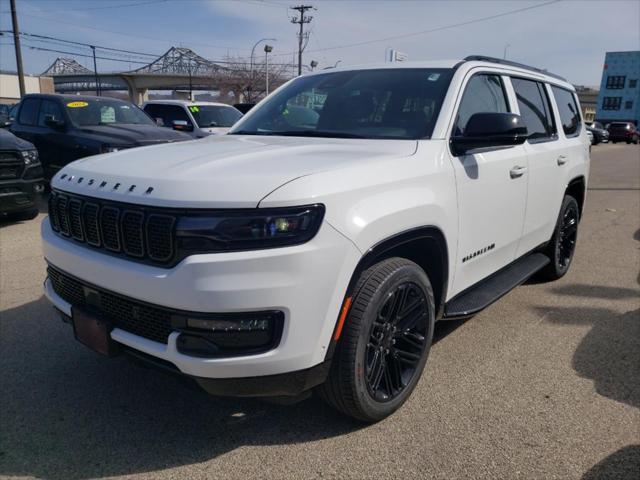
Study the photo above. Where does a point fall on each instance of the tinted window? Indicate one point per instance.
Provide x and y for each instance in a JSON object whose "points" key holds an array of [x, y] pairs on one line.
{"points": [[29, 111], [49, 108], [400, 103], [164, 115], [483, 94], [569, 111], [214, 115], [104, 111], [534, 108]]}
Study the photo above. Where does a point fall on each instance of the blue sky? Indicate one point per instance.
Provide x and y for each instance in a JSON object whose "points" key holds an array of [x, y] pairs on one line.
{"points": [[569, 37]]}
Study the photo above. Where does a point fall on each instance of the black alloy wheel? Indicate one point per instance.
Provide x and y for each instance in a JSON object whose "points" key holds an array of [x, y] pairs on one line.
{"points": [[385, 342], [562, 245], [396, 342]]}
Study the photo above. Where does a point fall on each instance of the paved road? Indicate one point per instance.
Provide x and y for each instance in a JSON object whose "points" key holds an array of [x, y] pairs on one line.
{"points": [[544, 384]]}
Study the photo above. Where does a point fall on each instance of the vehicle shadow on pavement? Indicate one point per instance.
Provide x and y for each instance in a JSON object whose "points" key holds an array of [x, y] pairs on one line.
{"points": [[67, 413], [624, 463]]}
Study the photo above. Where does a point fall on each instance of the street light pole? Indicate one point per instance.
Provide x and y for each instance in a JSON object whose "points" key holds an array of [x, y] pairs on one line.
{"points": [[251, 59], [267, 50]]}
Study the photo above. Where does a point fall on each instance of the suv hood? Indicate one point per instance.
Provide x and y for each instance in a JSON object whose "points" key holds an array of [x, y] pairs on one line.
{"points": [[227, 171], [130, 134]]}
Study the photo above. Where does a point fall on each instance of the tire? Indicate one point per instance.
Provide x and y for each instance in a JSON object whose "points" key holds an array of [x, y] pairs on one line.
{"points": [[25, 215], [380, 347], [561, 247]]}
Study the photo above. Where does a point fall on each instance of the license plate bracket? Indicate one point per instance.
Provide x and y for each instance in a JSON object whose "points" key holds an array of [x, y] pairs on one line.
{"points": [[92, 330]]}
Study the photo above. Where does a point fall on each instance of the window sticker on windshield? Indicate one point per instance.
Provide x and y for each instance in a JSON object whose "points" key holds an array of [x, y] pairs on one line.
{"points": [[107, 115], [77, 104], [433, 77], [194, 109]]}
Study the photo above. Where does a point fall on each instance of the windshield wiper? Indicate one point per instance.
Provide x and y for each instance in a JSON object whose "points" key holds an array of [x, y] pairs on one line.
{"points": [[302, 133]]}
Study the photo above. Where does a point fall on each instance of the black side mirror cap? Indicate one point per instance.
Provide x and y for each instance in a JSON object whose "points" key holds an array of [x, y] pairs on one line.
{"points": [[50, 121], [490, 130]]}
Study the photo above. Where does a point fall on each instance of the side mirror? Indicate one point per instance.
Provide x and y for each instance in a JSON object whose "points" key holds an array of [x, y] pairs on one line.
{"points": [[182, 126], [489, 130], [50, 121]]}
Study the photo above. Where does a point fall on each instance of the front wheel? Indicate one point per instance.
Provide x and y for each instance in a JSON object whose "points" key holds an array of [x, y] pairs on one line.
{"points": [[384, 343], [563, 242]]}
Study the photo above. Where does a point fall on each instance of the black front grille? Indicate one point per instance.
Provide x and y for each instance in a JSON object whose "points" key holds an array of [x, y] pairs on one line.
{"points": [[11, 166], [138, 232], [127, 314]]}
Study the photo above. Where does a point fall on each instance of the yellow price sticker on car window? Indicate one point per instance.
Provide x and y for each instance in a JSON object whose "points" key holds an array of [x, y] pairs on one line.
{"points": [[77, 104]]}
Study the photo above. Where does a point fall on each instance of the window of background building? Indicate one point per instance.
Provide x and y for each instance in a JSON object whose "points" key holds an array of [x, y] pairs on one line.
{"points": [[611, 103], [628, 105], [633, 82], [616, 82]]}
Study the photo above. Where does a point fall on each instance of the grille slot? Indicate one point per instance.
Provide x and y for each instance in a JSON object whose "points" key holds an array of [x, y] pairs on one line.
{"points": [[75, 222], [142, 233], [91, 225], [160, 237], [138, 318], [132, 233], [110, 228]]}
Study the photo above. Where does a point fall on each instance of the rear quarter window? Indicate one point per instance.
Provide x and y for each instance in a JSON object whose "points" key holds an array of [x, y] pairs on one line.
{"points": [[569, 111]]}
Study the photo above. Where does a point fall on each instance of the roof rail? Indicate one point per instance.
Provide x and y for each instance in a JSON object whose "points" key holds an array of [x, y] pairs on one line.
{"points": [[484, 58]]}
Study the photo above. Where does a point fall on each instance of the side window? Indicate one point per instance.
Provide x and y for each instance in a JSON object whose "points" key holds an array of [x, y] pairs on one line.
{"points": [[164, 115], [569, 111], [49, 108], [483, 94], [535, 110], [29, 111]]}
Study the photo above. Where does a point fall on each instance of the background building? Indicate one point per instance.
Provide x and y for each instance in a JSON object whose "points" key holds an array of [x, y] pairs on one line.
{"points": [[619, 97], [588, 102], [10, 88]]}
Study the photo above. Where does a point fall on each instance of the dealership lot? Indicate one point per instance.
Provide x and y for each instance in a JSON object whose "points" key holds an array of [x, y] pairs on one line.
{"points": [[543, 384]]}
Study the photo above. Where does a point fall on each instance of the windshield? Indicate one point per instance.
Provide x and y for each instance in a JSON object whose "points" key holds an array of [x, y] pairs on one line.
{"points": [[90, 112], [214, 115], [394, 103]]}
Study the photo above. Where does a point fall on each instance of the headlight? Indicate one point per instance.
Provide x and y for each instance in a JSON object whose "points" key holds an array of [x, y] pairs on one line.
{"points": [[30, 157], [248, 229]]}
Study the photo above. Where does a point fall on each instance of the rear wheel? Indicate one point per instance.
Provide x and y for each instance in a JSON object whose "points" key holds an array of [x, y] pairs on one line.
{"points": [[384, 343], [563, 243]]}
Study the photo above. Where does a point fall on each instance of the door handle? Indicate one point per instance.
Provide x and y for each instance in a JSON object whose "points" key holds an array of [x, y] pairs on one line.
{"points": [[562, 160], [517, 171]]}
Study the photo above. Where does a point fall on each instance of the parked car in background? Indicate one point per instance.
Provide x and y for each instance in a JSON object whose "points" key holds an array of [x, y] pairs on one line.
{"points": [[20, 177], [316, 246], [623, 132], [65, 128], [4, 115], [600, 134], [244, 107], [199, 119], [591, 137]]}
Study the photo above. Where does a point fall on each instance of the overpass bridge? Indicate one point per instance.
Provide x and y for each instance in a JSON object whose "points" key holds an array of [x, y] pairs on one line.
{"points": [[178, 69]]}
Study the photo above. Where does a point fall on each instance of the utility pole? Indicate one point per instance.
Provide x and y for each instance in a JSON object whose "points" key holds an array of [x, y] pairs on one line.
{"points": [[302, 36], [16, 42], [95, 70]]}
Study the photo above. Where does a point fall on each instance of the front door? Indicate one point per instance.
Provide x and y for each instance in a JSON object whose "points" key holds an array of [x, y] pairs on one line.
{"points": [[491, 190]]}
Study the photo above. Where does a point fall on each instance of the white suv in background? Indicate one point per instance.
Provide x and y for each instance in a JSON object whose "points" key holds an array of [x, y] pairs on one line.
{"points": [[198, 119], [318, 250]]}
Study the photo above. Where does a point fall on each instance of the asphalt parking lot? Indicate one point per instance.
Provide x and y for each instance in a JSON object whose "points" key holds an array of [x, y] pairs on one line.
{"points": [[545, 384]]}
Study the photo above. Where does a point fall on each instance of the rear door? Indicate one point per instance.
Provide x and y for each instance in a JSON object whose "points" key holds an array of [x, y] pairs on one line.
{"points": [[547, 162], [491, 189]]}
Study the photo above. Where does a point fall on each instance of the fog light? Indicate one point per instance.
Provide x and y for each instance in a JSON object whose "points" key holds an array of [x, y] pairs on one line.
{"points": [[39, 188], [229, 325]]}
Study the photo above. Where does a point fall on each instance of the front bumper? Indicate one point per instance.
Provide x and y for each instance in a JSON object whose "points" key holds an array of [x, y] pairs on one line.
{"points": [[19, 195], [306, 282]]}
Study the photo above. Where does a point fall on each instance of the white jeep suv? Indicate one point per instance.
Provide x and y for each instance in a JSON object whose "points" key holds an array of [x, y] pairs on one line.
{"points": [[315, 245]]}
